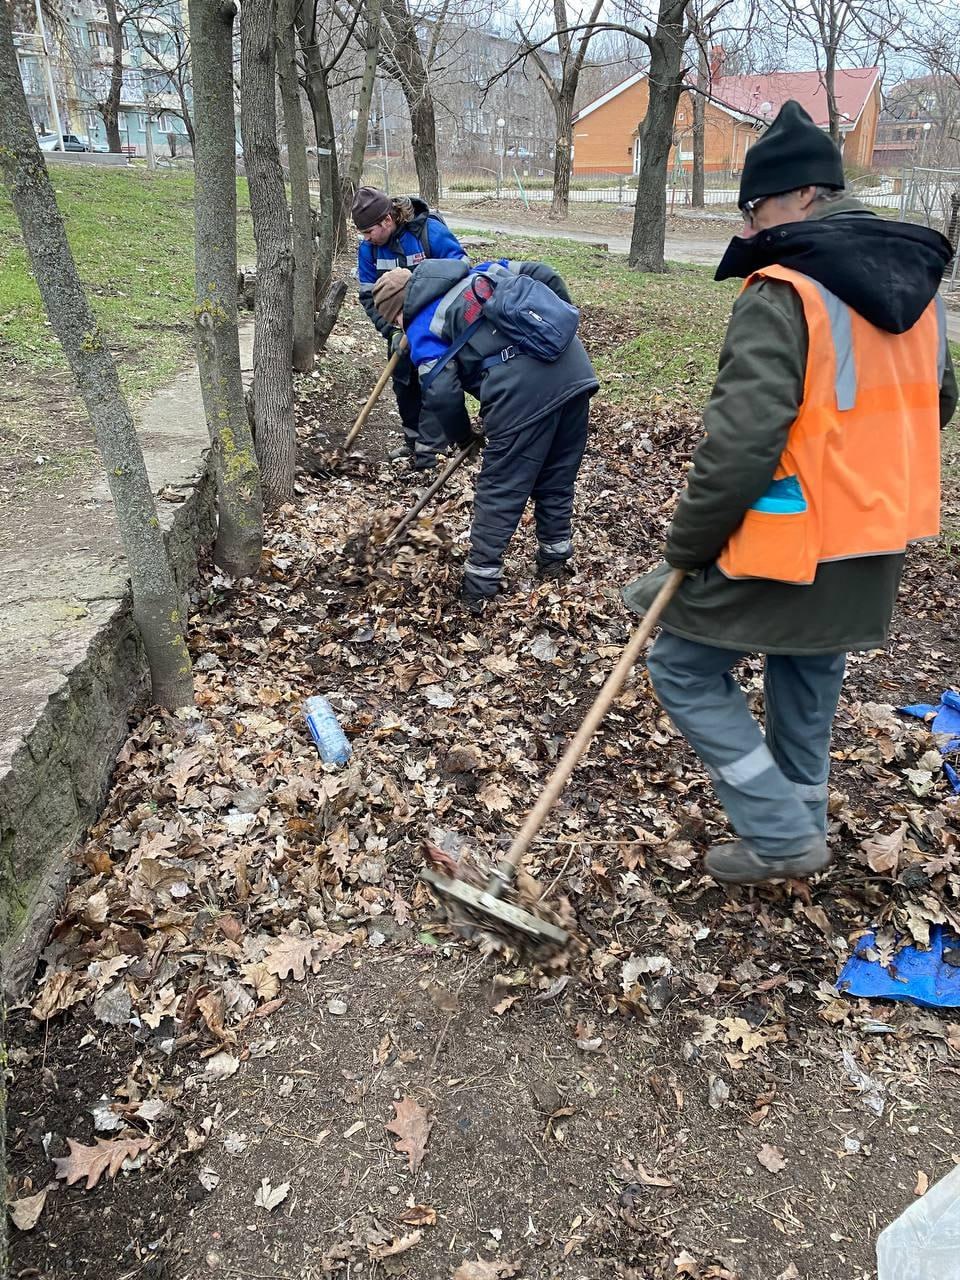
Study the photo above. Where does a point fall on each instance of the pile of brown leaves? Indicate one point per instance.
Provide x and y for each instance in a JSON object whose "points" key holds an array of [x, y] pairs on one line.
{"points": [[229, 860]]}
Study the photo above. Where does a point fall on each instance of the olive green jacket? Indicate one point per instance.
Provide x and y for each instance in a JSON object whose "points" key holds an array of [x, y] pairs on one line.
{"points": [[754, 402]]}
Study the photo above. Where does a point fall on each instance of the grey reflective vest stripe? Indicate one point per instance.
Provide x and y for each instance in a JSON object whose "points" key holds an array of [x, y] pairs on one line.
{"points": [[841, 331]]}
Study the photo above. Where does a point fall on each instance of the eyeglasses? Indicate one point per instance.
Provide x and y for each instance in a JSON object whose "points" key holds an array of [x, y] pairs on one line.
{"points": [[749, 208]]}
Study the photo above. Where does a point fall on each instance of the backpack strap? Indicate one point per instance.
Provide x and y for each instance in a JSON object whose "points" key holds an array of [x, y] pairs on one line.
{"points": [[424, 236], [450, 352]]}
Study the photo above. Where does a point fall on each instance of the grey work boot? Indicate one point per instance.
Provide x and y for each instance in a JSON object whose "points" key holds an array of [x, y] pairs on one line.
{"points": [[736, 863]]}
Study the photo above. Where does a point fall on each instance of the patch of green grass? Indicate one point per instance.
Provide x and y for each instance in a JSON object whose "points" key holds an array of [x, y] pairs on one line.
{"points": [[131, 232], [651, 337]]}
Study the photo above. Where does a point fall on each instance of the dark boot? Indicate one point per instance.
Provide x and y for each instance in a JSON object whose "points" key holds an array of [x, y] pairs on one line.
{"points": [[555, 570]]}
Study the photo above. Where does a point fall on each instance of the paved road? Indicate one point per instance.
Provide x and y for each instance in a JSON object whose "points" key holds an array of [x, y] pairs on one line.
{"points": [[678, 248]]}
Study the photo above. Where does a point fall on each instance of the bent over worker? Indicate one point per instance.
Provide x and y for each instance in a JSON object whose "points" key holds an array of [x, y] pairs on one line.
{"points": [[819, 466], [534, 414], [401, 232]]}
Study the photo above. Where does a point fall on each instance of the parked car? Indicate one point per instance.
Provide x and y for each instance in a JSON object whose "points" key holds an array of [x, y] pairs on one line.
{"points": [[50, 142]]}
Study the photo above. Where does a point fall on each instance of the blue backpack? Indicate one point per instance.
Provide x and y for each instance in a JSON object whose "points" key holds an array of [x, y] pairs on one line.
{"points": [[526, 312]]}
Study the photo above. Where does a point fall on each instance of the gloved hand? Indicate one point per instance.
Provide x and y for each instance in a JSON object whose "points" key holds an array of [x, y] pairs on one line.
{"points": [[396, 337]]}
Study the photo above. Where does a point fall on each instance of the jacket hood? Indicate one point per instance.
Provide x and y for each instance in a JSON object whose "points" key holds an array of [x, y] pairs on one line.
{"points": [[886, 271], [421, 211], [430, 280]]}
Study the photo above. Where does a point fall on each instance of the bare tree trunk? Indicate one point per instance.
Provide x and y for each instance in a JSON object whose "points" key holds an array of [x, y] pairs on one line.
{"points": [[303, 271], [156, 601], [332, 231], [414, 80], [563, 107], [656, 132], [359, 149], [110, 107], [830, 84], [697, 184], [240, 504], [187, 119], [273, 312]]}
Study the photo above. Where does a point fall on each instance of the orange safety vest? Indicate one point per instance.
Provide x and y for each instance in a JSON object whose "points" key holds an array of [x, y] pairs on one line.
{"points": [[860, 474]]}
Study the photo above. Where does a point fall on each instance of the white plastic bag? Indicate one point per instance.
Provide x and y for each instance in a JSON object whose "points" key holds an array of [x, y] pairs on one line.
{"points": [[924, 1242]]}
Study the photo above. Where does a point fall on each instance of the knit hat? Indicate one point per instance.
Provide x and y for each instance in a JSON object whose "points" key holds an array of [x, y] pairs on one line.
{"points": [[793, 153], [390, 291], [370, 206]]}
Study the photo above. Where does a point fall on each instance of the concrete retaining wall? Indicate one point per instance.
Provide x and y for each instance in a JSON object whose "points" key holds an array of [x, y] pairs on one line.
{"points": [[71, 661]]}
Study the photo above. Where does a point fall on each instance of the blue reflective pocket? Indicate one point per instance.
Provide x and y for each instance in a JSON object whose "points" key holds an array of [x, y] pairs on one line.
{"points": [[784, 497]]}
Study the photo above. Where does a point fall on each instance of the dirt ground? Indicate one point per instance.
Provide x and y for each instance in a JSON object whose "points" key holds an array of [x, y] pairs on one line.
{"points": [[686, 1094]]}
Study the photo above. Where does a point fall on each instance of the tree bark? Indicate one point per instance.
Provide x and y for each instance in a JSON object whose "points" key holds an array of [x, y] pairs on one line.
{"points": [[830, 84], [331, 231], [414, 80], [359, 149], [303, 269], [273, 312], [650, 212], [563, 107], [239, 500], [329, 311], [156, 601], [110, 107], [697, 184]]}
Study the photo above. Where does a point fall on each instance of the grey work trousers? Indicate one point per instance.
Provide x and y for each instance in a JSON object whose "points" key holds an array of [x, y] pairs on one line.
{"points": [[773, 786]]}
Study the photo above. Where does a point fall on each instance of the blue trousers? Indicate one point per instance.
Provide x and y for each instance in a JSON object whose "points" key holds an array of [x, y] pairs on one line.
{"points": [[540, 462], [773, 786]]}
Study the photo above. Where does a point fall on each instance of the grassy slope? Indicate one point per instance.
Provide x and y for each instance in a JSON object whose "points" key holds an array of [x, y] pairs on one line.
{"points": [[655, 339], [131, 232]]}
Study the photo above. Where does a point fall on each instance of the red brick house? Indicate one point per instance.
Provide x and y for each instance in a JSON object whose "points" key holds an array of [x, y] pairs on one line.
{"points": [[606, 131]]}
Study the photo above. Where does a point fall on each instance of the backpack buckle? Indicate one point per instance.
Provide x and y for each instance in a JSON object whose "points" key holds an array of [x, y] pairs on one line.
{"points": [[508, 353]]}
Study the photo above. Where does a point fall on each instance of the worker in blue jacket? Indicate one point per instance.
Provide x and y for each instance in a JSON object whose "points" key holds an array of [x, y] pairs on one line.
{"points": [[401, 232], [534, 414]]}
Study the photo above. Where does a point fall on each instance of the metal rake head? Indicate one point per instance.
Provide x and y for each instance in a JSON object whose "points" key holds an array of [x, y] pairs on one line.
{"points": [[489, 911]]}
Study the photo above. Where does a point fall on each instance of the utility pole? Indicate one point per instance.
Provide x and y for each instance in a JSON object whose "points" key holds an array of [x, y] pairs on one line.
{"points": [[48, 69]]}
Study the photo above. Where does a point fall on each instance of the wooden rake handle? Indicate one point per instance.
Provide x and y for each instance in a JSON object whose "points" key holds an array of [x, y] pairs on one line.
{"points": [[405, 521], [591, 722], [375, 394]]}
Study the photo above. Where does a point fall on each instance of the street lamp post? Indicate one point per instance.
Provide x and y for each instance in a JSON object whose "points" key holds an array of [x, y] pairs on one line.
{"points": [[501, 123]]}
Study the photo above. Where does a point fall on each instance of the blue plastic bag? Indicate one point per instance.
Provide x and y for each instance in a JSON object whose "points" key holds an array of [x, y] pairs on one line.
{"points": [[945, 725], [919, 977]]}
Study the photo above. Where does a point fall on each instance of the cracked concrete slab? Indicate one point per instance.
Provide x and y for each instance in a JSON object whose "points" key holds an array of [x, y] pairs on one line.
{"points": [[71, 661]]}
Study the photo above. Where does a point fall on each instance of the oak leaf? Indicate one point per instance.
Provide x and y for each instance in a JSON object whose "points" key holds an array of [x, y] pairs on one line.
{"points": [[883, 852], [412, 1125], [291, 954], [108, 1156]]}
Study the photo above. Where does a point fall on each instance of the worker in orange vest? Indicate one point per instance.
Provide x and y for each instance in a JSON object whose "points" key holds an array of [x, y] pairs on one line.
{"points": [[819, 466]]}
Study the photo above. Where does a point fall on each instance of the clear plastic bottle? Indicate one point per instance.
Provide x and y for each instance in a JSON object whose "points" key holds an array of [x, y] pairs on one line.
{"points": [[326, 732], [924, 1242]]}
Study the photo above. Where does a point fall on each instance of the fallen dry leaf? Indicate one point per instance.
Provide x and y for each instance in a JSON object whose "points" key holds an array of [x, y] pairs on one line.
{"points": [[883, 852], [739, 1031], [400, 1245], [923, 1184], [291, 954], [59, 992], [480, 1269], [419, 1215], [771, 1158], [412, 1125], [25, 1211], [269, 1197], [108, 1156]]}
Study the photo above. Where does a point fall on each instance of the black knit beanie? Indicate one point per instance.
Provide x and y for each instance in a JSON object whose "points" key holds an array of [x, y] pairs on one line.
{"points": [[370, 207], [793, 153]]}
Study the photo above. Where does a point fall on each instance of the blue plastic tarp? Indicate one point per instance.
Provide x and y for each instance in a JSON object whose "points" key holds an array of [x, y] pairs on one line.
{"points": [[919, 977], [945, 725]]}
